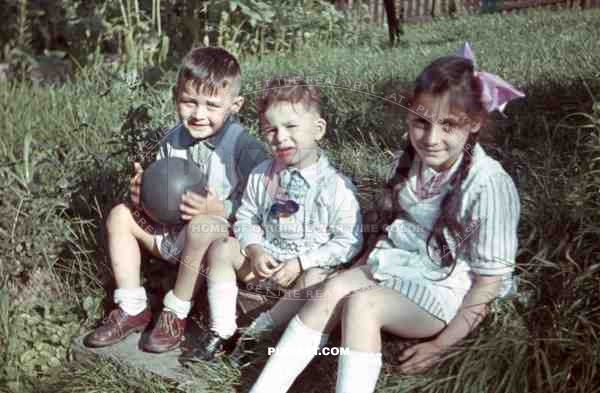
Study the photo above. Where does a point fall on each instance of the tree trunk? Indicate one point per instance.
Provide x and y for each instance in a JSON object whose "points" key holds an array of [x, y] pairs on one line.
{"points": [[393, 20]]}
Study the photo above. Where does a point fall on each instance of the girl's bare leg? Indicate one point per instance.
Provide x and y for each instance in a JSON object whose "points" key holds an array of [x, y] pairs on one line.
{"points": [[366, 313], [323, 313], [308, 331]]}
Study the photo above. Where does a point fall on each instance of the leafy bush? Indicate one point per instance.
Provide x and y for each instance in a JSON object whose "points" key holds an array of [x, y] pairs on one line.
{"points": [[139, 34]]}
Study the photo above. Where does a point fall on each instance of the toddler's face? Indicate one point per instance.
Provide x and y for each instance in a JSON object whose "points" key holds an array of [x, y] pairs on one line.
{"points": [[203, 115], [292, 132], [437, 132]]}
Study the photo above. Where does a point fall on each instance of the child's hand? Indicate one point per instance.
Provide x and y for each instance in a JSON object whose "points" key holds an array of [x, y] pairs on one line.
{"points": [[420, 357], [263, 264], [135, 184], [193, 204], [290, 271]]}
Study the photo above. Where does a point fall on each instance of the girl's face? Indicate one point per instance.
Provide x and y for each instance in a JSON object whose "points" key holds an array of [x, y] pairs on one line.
{"points": [[437, 131]]}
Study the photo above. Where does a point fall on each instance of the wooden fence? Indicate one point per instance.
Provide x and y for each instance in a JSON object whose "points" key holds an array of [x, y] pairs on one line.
{"points": [[421, 10]]}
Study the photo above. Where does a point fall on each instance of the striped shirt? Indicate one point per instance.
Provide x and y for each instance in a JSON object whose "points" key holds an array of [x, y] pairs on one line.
{"points": [[489, 210], [489, 213]]}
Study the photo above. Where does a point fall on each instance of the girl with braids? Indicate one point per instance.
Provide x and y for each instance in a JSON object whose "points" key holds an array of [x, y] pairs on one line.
{"points": [[448, 251]]}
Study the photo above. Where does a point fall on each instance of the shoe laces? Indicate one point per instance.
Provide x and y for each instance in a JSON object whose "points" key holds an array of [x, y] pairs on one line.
{"points": [[167, 323], [115, 316]]}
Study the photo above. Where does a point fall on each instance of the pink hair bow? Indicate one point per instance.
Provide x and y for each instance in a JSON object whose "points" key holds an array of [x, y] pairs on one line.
{"points": [[496, 91]]}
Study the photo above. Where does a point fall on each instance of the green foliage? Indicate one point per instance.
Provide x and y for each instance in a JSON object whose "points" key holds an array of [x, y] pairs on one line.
{"points": [[259, 27], [132, 35], [35, 338]]}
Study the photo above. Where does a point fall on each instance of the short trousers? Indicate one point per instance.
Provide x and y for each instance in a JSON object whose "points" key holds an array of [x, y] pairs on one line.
{"points": [[170, 240]]}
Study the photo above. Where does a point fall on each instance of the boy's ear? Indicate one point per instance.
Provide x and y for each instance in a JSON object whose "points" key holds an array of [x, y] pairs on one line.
{"points": [[237, 104], [320, 128]]}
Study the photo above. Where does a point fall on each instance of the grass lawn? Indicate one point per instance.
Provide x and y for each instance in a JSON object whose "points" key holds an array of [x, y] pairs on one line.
{"points": [[65, 161]]}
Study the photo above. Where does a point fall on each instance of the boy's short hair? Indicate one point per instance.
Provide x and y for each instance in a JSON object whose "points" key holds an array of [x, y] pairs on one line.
{"points": [[209, 68], [288, 89]]}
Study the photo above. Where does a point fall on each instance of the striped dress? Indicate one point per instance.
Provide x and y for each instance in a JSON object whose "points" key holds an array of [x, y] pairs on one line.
{"points": [[489, 209]]}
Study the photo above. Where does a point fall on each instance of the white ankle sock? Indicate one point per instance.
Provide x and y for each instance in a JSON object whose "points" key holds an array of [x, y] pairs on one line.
{"points": [[181, 308], [222, 300], [294, 351], [358, 372], [131, 300]]}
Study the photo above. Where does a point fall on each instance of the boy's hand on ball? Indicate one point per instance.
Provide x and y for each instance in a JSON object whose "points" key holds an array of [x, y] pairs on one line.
{"points": [[135, 184], [193, 204], [214, 205], [290, 271]]}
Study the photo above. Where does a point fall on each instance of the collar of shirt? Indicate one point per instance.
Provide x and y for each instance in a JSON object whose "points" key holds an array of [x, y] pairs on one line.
{"points": [[427, 182], [310, 174]]}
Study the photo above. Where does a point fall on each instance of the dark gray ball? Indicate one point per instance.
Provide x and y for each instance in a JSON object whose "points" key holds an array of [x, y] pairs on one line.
{"points": [[163, 184]]}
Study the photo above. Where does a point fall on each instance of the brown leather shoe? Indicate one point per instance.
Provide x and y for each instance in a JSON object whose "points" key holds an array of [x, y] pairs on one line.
{"points": [[116, 327], [166, 335]]}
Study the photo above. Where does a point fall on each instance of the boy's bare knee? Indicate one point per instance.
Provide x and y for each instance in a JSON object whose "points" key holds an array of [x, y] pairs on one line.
{"points": [[119, 217], [223, 248], [202, 230]]}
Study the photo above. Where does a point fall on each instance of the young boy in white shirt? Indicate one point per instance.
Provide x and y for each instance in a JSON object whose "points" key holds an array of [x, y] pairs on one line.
{"points": [[299, 217]]}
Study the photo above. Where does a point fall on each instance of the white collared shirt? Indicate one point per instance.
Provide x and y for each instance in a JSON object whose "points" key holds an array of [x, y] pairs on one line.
{"points": [[326, 228]]}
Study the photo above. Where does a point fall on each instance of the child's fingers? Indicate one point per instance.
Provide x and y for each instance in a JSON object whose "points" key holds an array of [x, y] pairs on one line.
{"points": [[273, 264], [262, 269], [417, 364], [407, 353], [137, 168], [194, 200], [283, 277], [194, 196], [189, 210], [279, 281], [209, 192], [278, 276], [136, 180]]}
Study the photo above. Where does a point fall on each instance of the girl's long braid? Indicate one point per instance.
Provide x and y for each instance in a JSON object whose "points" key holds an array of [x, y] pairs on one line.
{"points": [[387, 208], [449, 208], [396, 183]]}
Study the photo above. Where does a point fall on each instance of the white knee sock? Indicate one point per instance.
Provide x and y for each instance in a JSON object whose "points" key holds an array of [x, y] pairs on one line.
{"points": [[358, 372], [222, 300], [181, 308], [294, 351], [131, 300]]}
